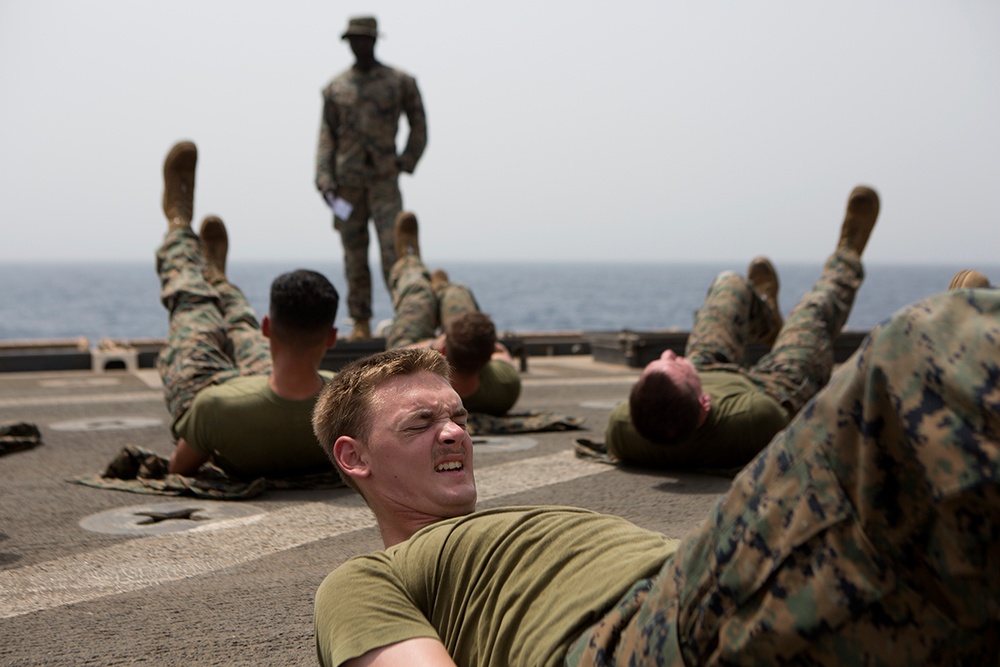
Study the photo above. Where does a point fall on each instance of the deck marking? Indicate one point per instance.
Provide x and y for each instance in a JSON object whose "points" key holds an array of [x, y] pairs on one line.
{"points": [[149, 561]]}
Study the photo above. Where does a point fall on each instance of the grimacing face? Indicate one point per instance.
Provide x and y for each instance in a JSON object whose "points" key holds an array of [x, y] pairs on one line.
{"points": [[419, 452]]}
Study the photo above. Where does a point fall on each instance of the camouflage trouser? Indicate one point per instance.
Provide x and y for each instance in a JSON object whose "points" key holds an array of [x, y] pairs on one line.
{"points": [[214, 335], [800, 362], [418, 310], [867, 533], [381, 201]]}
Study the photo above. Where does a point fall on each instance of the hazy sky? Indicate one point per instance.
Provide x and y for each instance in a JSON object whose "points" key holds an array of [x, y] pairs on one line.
{"points": [[557, 130]]}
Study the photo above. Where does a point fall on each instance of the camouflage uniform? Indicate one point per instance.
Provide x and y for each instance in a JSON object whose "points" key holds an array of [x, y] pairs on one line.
{"points": [[214, 335], [419, 310], [867, 533], [356, 158], [800, 362]]}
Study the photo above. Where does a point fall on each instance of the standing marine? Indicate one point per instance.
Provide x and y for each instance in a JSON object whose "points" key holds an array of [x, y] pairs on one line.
{"points": [[357, 166]]}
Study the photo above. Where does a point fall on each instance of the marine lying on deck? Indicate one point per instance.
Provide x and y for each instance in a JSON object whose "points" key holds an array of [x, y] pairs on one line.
{"points": [[239, 393], [705, 409], [482, 368]]}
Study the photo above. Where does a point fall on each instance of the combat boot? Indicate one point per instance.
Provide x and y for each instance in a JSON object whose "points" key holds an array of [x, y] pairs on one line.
{"points": [[439, 280], [362, 331], [862, 211], [406, 236], [968, 279], [178, 183], [214, 243], [763, 277]]}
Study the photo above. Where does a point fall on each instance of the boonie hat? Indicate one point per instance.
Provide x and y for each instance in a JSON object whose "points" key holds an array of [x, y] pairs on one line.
{"points": [[366, 26]]}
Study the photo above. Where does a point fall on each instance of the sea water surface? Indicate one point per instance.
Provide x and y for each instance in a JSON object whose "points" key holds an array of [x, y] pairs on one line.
{"points": [[120, 300]]}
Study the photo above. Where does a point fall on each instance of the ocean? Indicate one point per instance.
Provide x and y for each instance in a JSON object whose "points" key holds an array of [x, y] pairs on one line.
{"points": [[120, 300]]}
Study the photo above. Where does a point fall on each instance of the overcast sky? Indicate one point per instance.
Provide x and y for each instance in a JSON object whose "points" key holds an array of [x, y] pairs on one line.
{"points": [[557, 130]]}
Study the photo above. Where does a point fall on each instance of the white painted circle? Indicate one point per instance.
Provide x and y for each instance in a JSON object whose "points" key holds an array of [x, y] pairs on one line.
{"points": [[137, 519]]}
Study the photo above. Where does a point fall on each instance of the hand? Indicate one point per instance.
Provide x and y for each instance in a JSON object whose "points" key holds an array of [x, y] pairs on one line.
{"points": [[329, 194]]}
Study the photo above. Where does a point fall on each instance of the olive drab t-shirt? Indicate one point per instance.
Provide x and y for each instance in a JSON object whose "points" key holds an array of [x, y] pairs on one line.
{"points": [[741, 422], [503, 587], [499, 389], [250, 431]]}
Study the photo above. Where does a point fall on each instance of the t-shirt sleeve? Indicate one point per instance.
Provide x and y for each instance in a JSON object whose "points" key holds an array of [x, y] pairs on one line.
{"points": [[192, 427], [361, 606], [620, 436], [499, 389], [750, 428]]}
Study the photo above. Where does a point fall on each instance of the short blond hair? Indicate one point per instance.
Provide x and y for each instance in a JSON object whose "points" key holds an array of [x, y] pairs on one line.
{"points": [[344, 406]]}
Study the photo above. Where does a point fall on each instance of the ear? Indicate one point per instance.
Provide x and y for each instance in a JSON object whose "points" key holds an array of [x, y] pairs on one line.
{"points": [[331, 338], [265, 326], [351, 456]]}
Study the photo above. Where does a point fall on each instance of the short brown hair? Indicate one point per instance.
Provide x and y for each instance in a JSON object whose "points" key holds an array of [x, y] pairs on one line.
{"points": [[344, 405], [662, 411], [470, 340]]}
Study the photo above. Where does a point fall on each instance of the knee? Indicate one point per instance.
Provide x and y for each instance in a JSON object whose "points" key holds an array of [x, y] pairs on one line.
{"points": [[729, 278], [730, 281]]}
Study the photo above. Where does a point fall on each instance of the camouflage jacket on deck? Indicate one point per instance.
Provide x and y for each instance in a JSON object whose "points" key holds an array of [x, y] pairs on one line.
{"points": [[357, 136]]}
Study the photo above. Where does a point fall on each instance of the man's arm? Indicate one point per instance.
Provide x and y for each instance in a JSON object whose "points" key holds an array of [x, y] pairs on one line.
{"points": [[185, 459], [413, 107], [416, 652], [326, 151]]}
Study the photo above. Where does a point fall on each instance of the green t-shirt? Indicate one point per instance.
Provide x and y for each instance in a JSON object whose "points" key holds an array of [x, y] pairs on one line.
{"points": [[505, 587], [741, 422], [250, 431], [499, 389]]}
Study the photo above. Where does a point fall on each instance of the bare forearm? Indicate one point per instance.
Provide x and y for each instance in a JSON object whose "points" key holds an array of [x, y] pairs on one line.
{"points": [[185, 459]]}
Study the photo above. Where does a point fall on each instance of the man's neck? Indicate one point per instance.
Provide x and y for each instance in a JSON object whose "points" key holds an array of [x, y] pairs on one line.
{"points": [[394, 533], [295, 379], [366, 65]]}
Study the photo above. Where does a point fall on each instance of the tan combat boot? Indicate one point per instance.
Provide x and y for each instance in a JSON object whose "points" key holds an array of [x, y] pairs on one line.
{"points": [[405, 232], [214, 243], [362, 331], [763, 277], [178, 183], [968, 279], [862, 211], [439, 280]]}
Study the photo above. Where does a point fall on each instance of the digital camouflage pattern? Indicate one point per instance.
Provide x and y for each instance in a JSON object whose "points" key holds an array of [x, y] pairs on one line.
{"points": [[414, 304], [867, 533], [419, 310], [356, 159], [214, 335], [454, 299], [18, 436], [357, 137], [530, 421], [801, 359], [380, 201], [138, 470]]}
